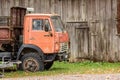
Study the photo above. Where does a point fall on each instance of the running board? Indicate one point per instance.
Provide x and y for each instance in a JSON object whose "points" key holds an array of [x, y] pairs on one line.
{"points": [[7, 64]]}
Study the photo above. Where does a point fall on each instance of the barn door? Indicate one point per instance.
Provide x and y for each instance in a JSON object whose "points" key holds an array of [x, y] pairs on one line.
{"points": [[82, 39]]}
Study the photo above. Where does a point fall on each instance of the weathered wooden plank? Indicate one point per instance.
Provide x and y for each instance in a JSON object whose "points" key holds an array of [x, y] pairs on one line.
{"points": [[69, 11], [107, 31]]}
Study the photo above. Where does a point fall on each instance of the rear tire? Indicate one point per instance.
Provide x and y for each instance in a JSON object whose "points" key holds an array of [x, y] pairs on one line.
{"points": [[48, 65], [32, 62]]}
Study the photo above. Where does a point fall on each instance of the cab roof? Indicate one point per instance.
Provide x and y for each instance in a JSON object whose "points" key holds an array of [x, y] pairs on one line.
{"points": [[40, 14]]}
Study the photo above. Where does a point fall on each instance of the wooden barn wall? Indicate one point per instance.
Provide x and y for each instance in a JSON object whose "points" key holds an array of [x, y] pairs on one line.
{"points": [[100, 16]]}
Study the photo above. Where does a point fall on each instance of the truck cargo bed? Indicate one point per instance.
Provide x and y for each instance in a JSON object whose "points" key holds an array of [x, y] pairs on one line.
{"points": [[5, 30]]}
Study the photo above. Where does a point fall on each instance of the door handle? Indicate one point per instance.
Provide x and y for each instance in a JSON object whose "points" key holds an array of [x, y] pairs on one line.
{"points": [[48, 35]]}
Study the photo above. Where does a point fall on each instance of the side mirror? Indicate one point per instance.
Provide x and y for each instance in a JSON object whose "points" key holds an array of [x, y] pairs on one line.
{"points": [[46, 28]]}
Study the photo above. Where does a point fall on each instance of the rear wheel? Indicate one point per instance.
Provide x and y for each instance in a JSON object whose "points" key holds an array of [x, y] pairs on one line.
{"points": [[32, 62], [48, 65]]}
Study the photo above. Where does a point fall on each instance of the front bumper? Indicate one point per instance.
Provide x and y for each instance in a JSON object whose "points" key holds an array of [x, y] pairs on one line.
{"points": [[62, 57]]}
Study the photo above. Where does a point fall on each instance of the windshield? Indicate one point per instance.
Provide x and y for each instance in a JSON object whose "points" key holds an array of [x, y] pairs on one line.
{"points": [[57, 23]]}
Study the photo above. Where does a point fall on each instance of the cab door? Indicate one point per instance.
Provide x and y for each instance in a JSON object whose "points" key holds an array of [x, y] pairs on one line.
{"points": [[40, 37]]}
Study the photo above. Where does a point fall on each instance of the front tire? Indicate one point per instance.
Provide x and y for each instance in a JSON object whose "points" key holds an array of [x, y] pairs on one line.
{"points": [[48, 65], [32, 62]]}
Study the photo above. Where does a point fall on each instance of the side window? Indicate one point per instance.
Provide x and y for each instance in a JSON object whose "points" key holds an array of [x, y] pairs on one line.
{"points": [[47, 24], [37, 24]]}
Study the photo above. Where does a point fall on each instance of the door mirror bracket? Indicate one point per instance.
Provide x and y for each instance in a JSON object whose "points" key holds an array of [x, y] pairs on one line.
{"points": [[46, 28]]}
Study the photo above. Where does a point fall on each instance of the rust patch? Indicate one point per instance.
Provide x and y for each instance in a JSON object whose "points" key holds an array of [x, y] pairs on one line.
{"points": [[17, 16], [5, 34]]}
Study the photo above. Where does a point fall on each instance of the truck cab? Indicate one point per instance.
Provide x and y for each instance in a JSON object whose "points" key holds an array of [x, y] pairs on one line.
{"points": [[45, 31]]}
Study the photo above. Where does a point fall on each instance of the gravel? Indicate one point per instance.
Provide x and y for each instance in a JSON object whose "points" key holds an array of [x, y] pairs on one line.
{"points": [[71, 77]]}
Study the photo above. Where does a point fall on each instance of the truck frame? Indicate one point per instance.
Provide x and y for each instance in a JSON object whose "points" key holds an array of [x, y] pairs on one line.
{"points": [[37, 40]]}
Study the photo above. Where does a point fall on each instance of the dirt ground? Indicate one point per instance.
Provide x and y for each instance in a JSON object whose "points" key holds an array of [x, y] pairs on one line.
{"points": [[71, 77]]}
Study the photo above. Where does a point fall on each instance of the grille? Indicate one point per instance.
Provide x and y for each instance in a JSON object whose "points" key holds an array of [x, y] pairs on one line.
{"points": [[63, 47]]}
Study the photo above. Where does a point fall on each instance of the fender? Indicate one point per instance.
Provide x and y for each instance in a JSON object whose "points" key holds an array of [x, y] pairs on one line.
{"points": [[40, 52]]}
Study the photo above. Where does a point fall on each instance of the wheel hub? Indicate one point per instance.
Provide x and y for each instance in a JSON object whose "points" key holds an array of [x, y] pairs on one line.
{"points": [[30, 65]]}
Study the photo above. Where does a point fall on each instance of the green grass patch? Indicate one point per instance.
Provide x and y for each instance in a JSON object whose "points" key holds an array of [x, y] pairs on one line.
{"points": [[86, 67]]}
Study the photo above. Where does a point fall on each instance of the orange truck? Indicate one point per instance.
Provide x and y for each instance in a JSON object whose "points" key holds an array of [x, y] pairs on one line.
{"points": [[37, 40]]}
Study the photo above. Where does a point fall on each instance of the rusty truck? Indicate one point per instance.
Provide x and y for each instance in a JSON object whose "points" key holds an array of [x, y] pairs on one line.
{"points": [[35, 39]]}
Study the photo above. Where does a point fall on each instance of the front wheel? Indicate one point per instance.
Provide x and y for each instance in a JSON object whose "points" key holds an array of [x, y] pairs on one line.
{"points": [[32, 62]]}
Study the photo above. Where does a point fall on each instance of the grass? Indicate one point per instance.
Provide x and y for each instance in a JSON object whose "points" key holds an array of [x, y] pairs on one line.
{"points": [[86, 67]]}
